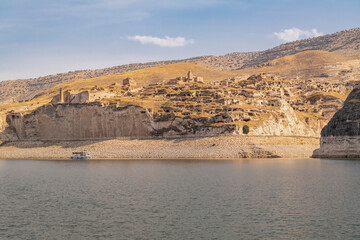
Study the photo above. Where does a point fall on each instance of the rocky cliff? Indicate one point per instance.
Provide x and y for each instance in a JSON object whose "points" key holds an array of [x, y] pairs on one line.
{"points": [[180, 107], [340, 138], [96, 121]]}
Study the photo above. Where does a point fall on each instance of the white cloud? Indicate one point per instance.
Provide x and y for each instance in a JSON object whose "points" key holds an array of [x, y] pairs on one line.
{"points": [[293, 34], [162, 42]]}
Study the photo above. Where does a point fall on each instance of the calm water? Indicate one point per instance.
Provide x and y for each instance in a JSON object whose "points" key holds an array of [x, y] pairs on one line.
{"points": [[272, 199]]}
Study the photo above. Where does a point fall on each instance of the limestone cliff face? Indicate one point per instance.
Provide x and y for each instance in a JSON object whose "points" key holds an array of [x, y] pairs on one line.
{"points": [[340, 138], [90, 121], [6, 132], [84, 121], [288, 124], [94, 121]]}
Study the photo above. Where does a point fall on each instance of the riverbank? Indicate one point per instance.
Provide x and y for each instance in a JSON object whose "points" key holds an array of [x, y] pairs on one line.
{"points": [[208, 148]]}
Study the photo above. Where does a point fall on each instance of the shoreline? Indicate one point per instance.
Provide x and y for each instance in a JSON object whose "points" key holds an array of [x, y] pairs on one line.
{"points": [[209, 148], [162, 159]]}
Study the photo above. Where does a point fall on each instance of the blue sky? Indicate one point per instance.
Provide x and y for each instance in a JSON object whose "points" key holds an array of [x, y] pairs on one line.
{"points": [[41, 37]]}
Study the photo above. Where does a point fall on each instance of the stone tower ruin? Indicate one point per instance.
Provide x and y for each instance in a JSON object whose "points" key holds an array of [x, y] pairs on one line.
{"points": [[61, 96], [189, 75]]}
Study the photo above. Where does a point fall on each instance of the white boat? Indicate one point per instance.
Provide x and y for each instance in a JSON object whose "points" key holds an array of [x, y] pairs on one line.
{"points": [[81, 155]]}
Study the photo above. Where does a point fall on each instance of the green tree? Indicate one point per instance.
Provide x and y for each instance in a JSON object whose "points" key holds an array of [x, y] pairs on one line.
{"points": [[246, 129]]}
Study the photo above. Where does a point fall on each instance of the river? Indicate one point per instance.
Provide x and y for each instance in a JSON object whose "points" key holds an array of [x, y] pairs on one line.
{"points": [[175, 199]]}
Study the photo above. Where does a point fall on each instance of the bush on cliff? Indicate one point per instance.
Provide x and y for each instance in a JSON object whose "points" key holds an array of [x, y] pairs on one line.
{"points": [[246, 129]]}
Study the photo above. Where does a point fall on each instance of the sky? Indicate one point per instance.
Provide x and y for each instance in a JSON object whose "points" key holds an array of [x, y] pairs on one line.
{"points": [[42, 37]]}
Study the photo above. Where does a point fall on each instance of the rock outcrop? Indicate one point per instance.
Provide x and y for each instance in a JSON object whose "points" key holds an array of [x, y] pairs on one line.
{"points": [[95, 121], [288, 125], [340, 138], [79, 121]]}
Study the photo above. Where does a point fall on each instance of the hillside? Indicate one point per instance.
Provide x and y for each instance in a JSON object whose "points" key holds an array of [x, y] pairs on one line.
{"points": [[305, 59], [290, 96], [345, 43], [184, 106], [311, 64], [142, 77]]}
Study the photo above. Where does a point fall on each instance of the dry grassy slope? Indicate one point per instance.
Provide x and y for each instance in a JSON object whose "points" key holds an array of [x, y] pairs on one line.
{"points": [[306, 59], [302, 60], [320, 65], [24, 89], [142, 77]]}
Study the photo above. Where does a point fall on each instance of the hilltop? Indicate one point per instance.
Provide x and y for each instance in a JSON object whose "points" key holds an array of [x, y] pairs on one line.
{"points": [[345, 43]]}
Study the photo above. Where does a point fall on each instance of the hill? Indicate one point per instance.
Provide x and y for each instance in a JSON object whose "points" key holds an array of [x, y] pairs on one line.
{"points": [[309, 64], [346, 43], [305, 59], [142, 77], [270, 100]]}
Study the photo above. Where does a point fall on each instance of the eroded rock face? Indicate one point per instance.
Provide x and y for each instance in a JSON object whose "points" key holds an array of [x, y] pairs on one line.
{"points": [[91, 121], [340, 138], [346, 121], [288, 124], [338, 147], [75, 121], [94, 121]]}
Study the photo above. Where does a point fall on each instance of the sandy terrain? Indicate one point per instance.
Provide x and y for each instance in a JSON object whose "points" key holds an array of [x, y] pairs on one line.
{"points": [[209, 148]]}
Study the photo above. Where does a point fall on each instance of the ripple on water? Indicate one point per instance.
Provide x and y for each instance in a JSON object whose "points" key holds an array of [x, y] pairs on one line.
{"points": [[272, 199]]}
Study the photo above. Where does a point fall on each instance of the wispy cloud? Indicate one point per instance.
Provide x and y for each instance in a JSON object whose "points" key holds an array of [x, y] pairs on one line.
{"points": [[293, 34], [162, 42]]}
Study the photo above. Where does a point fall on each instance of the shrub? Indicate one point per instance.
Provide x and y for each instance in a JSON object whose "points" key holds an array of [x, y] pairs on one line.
{"points": [[246, 129]]}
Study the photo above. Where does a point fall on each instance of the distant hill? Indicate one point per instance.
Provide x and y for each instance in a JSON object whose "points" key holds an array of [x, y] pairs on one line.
{"points": [[346, 43]]}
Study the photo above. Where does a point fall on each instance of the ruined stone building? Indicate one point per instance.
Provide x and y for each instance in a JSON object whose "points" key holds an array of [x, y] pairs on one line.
{"points": [[189, 78]]}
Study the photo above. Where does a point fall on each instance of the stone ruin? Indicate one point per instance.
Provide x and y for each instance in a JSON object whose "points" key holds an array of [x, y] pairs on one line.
{"points": [[71, 96], [189, 78], [129, 82], [94, 94]]}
